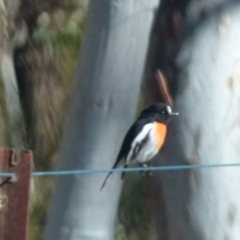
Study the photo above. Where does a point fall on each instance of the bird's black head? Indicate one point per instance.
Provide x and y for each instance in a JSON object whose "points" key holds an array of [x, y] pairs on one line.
{"points": [[159, 112]]}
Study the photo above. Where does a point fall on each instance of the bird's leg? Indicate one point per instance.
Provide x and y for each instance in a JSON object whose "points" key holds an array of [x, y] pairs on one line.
{"points": [[149, 172], [145, 172]]}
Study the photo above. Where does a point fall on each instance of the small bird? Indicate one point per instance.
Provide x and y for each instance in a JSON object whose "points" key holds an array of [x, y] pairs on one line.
{"points": [[145, 137]]}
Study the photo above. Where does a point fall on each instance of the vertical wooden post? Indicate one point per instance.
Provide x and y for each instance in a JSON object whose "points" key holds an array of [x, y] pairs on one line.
{"points": [[14, 194]]}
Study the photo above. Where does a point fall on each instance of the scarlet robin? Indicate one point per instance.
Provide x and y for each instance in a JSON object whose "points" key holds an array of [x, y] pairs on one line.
{"points": [[145, 137]]}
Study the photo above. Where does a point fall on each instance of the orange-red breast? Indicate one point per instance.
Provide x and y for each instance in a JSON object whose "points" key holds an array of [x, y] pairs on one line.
{"points": [[145, 137]]}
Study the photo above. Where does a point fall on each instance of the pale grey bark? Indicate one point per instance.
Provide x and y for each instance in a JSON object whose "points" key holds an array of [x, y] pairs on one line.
{"points": [[204, 204], [102, 107], [12, 122]]}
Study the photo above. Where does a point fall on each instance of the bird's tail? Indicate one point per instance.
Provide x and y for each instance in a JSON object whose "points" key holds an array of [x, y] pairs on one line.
{"points": [[109, 174], [123, 173], [105, 181]]}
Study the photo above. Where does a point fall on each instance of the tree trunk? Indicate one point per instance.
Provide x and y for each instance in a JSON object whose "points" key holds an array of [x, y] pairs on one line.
{"points": [[102, 107], [12, 35], [204, 204]]}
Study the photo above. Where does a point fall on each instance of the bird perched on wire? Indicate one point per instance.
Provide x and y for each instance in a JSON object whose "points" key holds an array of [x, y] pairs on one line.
{"points": [[145, 137]]}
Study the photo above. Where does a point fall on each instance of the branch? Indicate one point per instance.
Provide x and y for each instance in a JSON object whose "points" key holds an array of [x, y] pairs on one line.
{"points": [[163, 87]]}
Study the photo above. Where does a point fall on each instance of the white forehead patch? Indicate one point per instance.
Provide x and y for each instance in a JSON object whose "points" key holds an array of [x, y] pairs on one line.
{"points": [[169, 109]]}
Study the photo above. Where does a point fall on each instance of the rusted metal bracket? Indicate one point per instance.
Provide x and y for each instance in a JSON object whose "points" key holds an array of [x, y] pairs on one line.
{"points": [[14, 194]]}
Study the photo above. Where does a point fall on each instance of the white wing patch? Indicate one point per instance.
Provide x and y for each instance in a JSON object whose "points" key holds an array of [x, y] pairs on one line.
{"points": [[143, 147]]}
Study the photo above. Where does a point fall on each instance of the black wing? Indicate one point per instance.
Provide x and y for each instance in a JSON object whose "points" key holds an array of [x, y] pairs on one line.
{"points": [[134, 130]]}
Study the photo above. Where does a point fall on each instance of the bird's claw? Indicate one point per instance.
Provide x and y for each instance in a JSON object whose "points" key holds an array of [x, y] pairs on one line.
{"points": [[146, 172]]}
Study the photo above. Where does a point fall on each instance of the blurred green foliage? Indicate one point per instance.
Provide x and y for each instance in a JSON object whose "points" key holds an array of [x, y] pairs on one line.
{"points": [[60, 29], [134, 218], [53, 50]]}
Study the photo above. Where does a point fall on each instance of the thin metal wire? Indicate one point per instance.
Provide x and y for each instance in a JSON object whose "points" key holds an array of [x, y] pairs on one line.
{"points": [[136, 169], [7, 174]]}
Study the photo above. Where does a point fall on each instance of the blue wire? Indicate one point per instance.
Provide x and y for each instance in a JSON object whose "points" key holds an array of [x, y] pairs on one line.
{"points": [[7, 174], [137, 169]]}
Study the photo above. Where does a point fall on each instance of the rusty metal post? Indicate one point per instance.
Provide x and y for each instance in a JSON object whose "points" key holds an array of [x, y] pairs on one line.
{"points": [[14, 194]]}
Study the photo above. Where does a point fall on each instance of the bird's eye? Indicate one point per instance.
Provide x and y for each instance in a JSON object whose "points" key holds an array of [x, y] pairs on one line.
{"points": [[163, 113]]}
